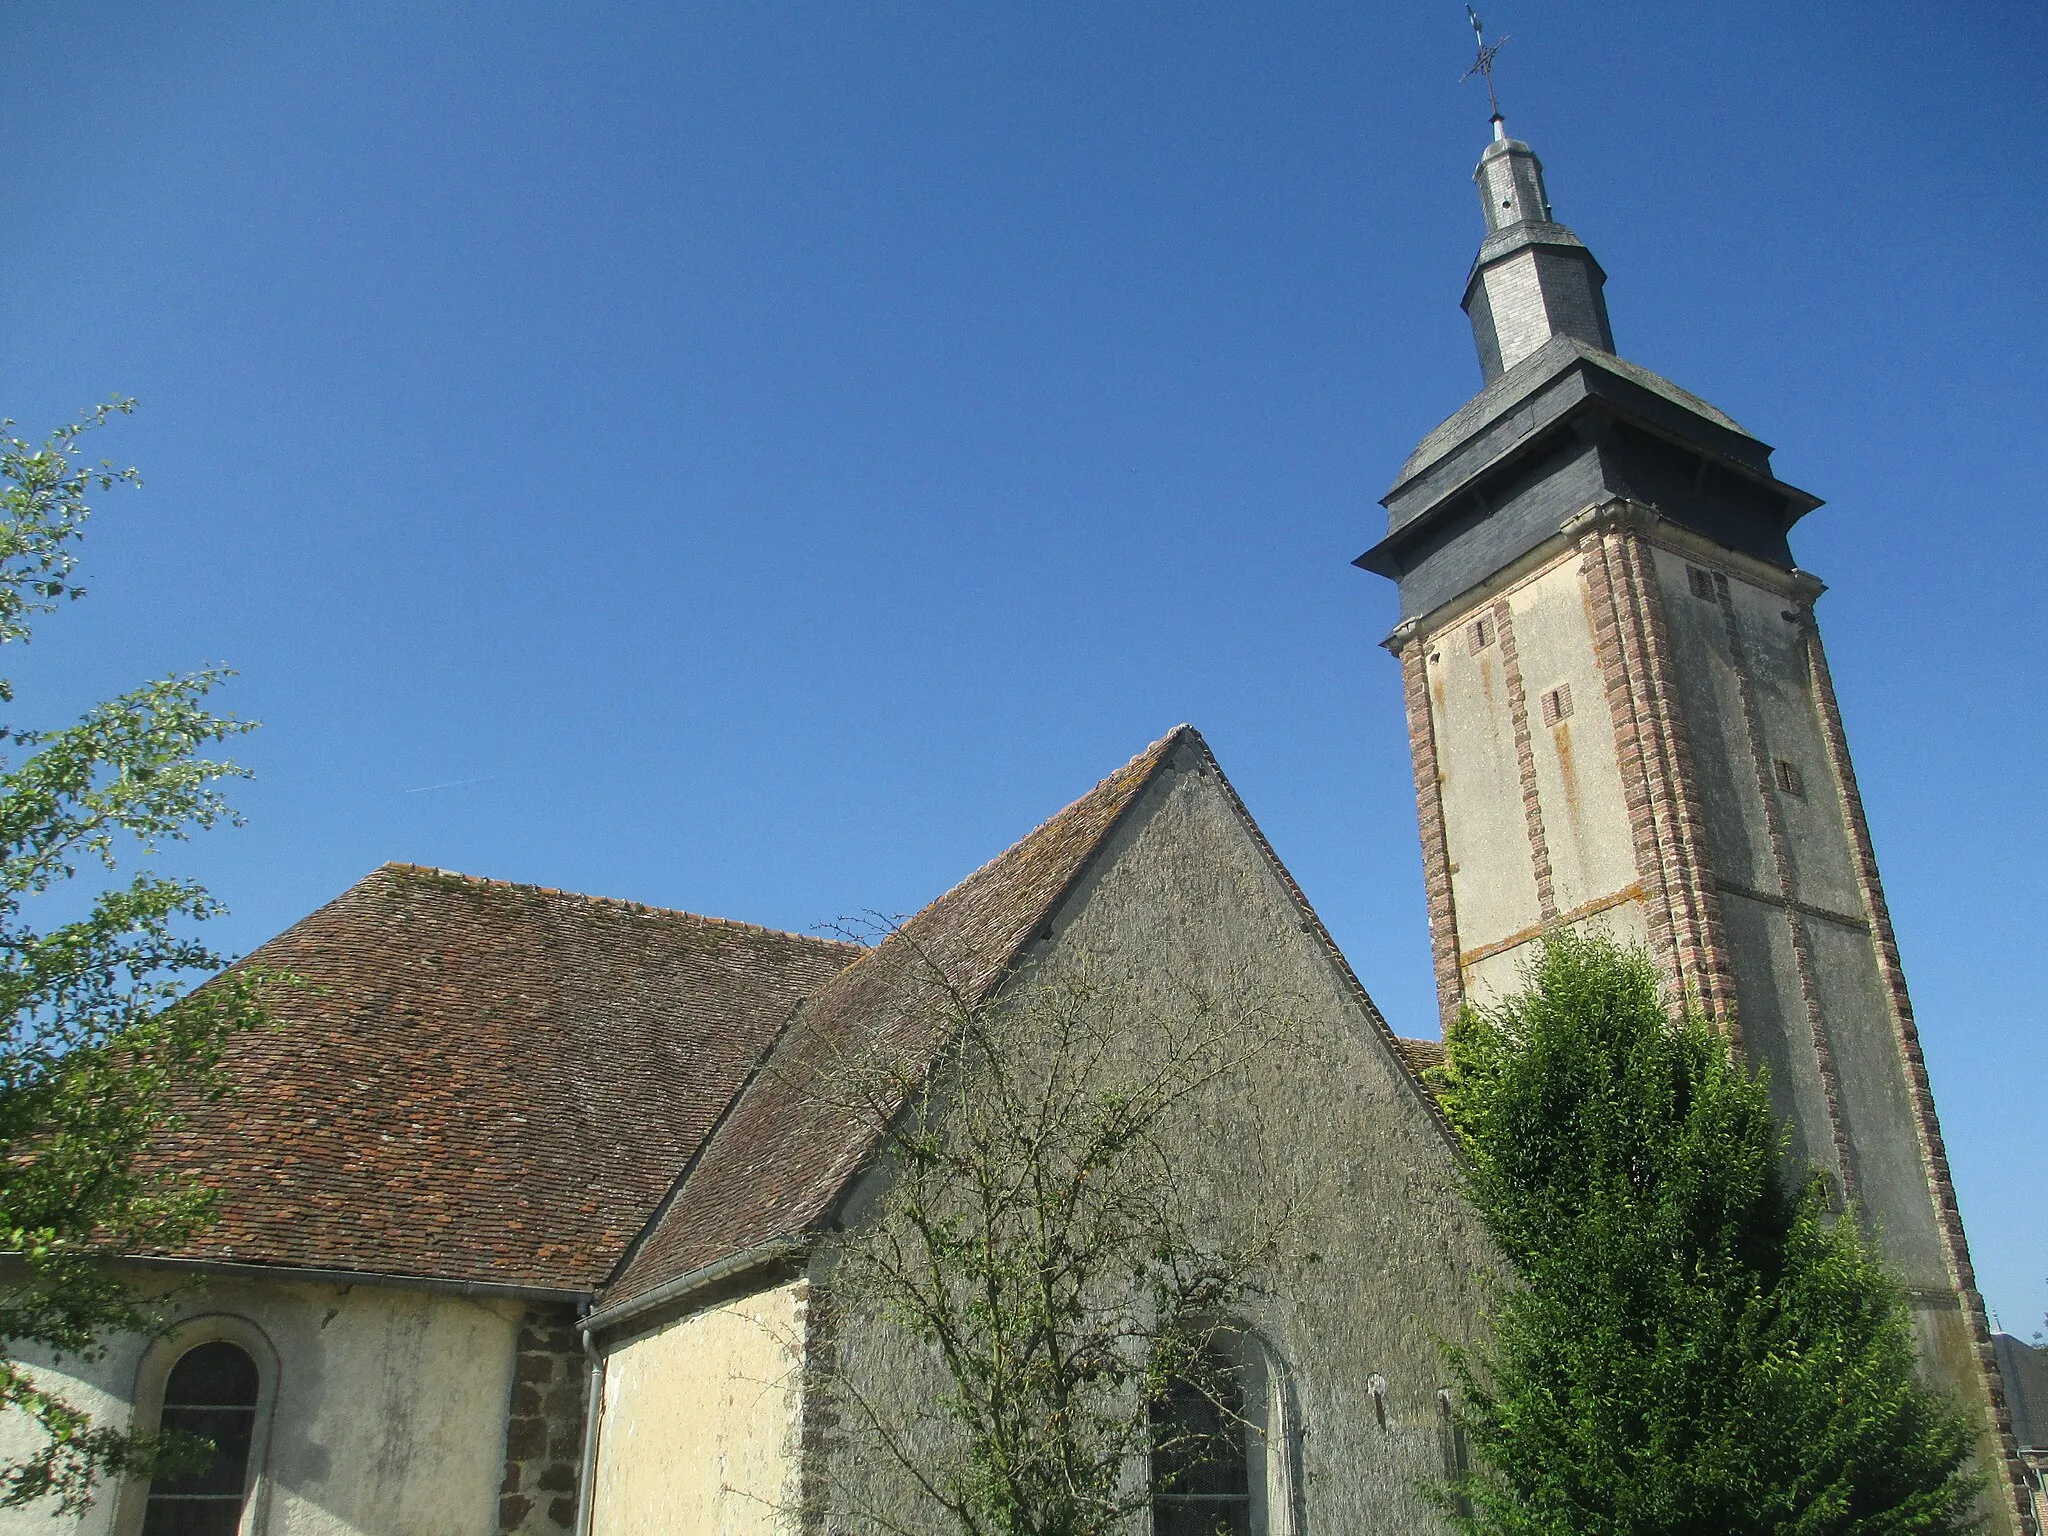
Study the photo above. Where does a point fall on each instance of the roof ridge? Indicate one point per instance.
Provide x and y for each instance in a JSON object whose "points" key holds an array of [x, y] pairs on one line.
{"points": [[619, 903], [1162, 748], [1160, 751], [1141, 767]]}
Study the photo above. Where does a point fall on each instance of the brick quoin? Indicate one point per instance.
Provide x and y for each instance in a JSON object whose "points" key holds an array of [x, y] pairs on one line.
{"points": [[1412, 650]]}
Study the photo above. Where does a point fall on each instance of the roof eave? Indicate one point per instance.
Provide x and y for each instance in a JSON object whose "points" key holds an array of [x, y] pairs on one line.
{"points": [[1383, 558]]}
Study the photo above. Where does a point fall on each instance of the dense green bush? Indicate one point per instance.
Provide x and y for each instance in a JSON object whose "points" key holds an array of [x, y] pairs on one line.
{"points": [[1687, 1342]]}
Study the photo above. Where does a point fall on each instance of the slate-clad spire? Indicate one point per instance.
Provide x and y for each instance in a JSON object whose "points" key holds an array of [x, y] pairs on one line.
{"points": [[1533, 278]]}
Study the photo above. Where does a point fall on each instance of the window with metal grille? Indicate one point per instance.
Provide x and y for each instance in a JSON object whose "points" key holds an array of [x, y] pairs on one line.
{"points": [[211, 1393], [1788, 778], [1201, 1463], [1479, 634], [1557, 703], [1702, 582]]}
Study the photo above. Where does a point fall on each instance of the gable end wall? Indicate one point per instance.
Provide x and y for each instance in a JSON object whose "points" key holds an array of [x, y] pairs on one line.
{"points": [[1333, 1126]]}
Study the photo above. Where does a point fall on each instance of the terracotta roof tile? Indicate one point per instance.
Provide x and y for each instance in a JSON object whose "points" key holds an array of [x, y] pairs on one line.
{"points": [[484, 1081], [778, 1162], [1422, 1056]]}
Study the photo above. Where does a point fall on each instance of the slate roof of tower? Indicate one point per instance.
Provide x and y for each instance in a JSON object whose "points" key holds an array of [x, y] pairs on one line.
{"points": [[783, 1154], [1516, 385], [484, 1081]]}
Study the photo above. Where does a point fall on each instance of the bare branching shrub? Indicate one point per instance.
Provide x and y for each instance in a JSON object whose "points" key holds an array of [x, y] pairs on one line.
{"points": [[1029, 1271]]}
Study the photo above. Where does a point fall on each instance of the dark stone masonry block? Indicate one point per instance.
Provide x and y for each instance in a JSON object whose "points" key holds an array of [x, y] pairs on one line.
{"points": [[544, 1429], [535, 1368], [525, 1439], [560, 1477]]}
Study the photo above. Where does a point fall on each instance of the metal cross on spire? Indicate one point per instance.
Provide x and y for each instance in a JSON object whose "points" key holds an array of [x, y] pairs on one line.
{"points": [[1483, 66]]}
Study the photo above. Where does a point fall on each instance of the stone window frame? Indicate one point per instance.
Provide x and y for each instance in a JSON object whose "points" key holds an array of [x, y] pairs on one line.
{"points": [[153, 1374], [1273, 1431]]}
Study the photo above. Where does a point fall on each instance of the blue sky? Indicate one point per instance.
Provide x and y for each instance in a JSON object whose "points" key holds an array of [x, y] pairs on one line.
{"points": [[764, 458]]}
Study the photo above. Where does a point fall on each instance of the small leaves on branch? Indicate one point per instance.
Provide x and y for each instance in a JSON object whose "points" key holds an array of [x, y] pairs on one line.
{"points": [[100, 1045], [1033, 1234]]}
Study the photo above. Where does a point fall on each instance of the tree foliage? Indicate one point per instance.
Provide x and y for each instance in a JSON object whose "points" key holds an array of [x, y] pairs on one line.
{"points": [[93, 1053], [1689, 1344], [1039, 1244]]}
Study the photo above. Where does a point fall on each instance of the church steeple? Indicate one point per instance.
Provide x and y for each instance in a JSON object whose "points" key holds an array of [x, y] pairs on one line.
{"points": [[1621, 717], [1533, 278]]}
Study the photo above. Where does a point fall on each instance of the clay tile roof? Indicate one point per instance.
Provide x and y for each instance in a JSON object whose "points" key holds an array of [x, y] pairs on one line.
{"points": [[484, 1081], [777, 1164], [1422, 1056]]}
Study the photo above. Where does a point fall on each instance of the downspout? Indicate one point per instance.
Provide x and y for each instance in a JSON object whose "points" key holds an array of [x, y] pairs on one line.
{"points": [[593, 1410]]}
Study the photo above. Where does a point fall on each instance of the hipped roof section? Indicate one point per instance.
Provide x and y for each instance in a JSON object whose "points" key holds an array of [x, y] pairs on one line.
{"points": [[481, 1081]]}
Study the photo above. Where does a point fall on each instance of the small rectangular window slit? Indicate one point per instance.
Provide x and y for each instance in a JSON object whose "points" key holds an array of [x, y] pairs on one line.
{"points": [[1788, 778], [1702, 583], [1557, 704], [1480, 633]]}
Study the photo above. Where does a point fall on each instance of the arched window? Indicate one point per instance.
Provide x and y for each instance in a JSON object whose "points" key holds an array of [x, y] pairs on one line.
{"points": [[1220, 1447], [211, 1392], [1200, 1459]]}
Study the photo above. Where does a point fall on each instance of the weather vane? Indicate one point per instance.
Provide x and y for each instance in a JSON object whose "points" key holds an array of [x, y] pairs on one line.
{"points": [[1483, 65]]}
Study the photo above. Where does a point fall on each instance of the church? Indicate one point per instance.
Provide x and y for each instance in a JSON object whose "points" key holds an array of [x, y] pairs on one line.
{"points": [[522, 1226]]}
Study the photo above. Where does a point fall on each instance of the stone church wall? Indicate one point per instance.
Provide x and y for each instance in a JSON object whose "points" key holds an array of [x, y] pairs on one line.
{"points": [[1816, 965], [382, 1411], [1814, 1003], [1383, 1254]]}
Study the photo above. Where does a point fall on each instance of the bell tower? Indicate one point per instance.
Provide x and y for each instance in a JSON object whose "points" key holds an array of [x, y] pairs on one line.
{"points": [[1621, 715]]}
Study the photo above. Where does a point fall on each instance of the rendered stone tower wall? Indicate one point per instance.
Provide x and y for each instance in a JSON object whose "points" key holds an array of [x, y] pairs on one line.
{"points": [[1635, 729]]}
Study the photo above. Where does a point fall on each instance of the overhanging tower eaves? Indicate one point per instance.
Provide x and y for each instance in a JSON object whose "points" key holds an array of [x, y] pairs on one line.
{"points": [[1569, 427]]}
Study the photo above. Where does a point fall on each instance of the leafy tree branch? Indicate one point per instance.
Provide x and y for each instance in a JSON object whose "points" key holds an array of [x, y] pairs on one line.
{"points": [[1032, 1235], [99, 1041]]}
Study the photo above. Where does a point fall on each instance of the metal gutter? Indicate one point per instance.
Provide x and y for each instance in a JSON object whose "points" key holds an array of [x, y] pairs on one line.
{"points": [[292, 1272], [683, 1286]]}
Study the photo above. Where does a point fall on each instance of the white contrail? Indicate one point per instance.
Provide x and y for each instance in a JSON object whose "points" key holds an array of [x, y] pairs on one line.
{"points": [[454, 784]]}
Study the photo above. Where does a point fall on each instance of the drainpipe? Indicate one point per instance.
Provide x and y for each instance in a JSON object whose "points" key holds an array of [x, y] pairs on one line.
{"points": [[593, 1410]]}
